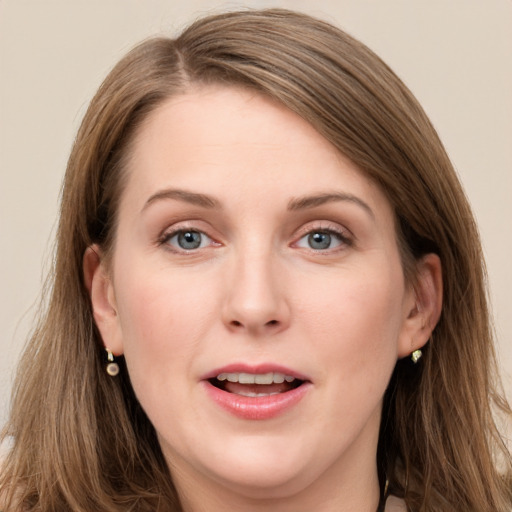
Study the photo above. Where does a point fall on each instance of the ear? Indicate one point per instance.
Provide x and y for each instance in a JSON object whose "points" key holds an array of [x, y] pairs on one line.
{"points": [[422, 306], [101, 292]]}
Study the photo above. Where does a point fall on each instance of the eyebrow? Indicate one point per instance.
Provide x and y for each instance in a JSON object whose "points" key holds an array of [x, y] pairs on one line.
{"points": [[202, 200], [301, 203], [306, 202]]}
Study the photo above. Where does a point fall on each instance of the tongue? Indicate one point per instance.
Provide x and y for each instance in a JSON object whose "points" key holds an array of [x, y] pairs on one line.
{"points": [[237, 388]]}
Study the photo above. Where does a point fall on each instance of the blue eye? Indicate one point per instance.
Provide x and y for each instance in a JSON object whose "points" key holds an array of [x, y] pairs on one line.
{"points": [[321, 240], [188, 240]]}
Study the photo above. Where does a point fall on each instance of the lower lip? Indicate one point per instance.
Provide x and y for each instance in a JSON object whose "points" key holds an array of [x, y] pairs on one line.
{"points": [[257, 408]]}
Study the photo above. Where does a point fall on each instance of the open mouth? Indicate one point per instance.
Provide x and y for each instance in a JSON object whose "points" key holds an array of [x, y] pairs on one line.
{"points": [[255, 385]]}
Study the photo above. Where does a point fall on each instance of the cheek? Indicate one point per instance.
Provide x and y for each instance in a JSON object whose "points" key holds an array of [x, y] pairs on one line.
{"points": [[163, 316], [353, 328], [355, 322], [163, 320]]}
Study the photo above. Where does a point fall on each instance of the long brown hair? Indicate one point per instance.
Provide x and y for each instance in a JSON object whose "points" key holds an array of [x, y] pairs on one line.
{"points": [[80, 440]]}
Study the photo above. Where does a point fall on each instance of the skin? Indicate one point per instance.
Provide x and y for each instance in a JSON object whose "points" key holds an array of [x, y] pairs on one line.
{"points": [[256, 291]]}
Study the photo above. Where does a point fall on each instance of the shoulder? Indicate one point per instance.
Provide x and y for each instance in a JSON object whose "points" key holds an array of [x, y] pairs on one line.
{"points": [[394, 504]]}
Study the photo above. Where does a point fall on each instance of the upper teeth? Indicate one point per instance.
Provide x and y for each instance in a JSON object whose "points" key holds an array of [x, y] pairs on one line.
{"points": [[259, 378]]}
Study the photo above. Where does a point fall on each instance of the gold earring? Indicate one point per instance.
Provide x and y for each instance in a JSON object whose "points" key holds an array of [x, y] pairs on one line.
{"points": [[416, 356], [112, 366]]}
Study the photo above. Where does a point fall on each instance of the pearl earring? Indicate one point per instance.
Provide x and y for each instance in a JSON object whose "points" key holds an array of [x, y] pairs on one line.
{"points": [[112, 366]]}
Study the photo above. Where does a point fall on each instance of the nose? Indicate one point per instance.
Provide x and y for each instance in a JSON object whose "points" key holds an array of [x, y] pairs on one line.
{"points": [[256, 299]]}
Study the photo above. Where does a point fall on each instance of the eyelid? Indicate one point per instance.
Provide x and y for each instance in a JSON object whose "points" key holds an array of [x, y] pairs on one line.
{"points": [[323, 225]]}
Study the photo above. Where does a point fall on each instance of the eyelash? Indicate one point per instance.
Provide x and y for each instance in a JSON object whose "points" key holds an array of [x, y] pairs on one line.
{"points": [[166, 237], [340, 235]]}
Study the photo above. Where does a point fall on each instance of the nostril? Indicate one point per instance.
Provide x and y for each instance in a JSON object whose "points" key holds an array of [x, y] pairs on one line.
{"points": [[270, 323]]}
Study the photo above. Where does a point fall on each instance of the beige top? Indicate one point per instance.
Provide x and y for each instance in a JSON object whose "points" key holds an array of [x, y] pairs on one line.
{"points": [[394, 504]]}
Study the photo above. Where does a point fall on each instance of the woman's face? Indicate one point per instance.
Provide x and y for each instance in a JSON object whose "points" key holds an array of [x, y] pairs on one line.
{"points": [[257, 293]]}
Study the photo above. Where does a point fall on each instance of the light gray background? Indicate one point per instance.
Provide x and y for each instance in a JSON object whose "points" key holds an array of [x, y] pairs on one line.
{"points": [[455, 55]]}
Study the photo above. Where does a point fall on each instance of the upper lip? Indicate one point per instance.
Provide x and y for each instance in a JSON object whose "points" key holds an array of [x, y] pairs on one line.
{"points": [[254, 369]]}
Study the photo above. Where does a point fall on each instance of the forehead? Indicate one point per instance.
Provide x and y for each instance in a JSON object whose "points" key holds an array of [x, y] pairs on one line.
{"points": [[221, 140], [214, 117]]}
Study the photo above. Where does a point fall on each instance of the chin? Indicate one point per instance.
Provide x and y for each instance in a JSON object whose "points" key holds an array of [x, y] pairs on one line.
{"points": [[265, 482], [264, 468]]}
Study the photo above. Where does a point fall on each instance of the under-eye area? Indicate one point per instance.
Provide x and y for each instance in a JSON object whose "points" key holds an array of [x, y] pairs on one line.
{"points": [[256, 385]]}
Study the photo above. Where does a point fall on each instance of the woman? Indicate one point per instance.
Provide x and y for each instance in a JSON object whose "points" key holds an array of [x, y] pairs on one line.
{"points": [[268, 293]]}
